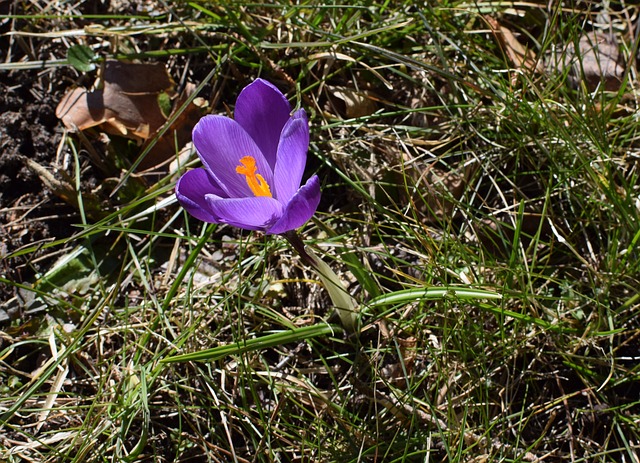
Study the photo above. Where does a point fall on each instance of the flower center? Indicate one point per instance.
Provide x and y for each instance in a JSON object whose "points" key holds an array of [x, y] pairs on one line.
{"points": [[256, 182]]}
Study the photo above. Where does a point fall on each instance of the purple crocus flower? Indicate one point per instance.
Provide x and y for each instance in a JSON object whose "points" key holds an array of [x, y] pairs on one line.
{"points": [[253, 165]]}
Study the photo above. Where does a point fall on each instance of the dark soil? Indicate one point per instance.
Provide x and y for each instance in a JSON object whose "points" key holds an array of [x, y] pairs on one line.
{"points": [[29, 213]]}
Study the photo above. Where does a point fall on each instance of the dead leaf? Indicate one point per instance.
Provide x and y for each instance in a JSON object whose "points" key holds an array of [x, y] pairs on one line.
{"points": [[439, 190], [61, 186], [177, 135], [519, 56], [125, 102], [595, 61], [356, 103]]}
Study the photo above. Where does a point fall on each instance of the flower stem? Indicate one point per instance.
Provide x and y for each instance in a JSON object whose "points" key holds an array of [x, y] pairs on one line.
{"points": [[345, 305]]}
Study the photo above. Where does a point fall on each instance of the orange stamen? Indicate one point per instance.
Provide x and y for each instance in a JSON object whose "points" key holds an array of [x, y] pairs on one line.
{"points": [[256, 182]]}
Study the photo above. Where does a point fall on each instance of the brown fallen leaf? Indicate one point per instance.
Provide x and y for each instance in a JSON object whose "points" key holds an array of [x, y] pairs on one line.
{"points": [[177, 135], [519, 56], [124, 103], [356, 103], [595, 60]]}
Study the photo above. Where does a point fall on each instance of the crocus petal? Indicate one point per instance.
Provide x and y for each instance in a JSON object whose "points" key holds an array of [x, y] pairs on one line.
{"points": [[300, 209], [254, 213], [262, 110], [191, 190], [292, 156], [221, 143]]}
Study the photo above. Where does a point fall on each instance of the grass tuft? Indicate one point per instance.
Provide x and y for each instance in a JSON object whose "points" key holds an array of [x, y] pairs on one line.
{"points": [[480, 201]]}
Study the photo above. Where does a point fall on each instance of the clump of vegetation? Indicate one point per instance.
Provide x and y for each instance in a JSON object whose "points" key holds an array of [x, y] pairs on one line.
{"points": [[478, 167]]}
